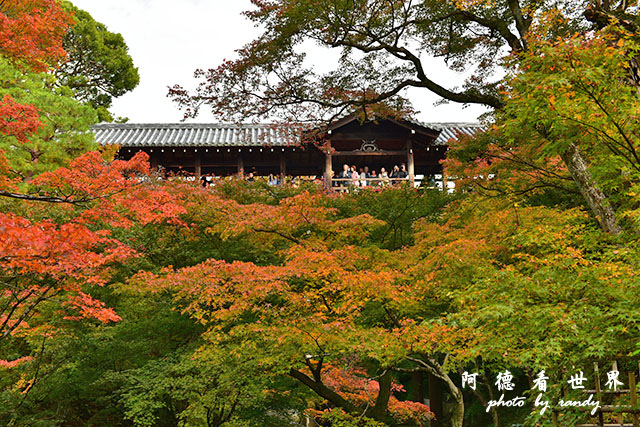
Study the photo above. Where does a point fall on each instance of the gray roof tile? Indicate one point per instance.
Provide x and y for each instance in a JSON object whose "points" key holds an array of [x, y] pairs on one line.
{"points": [[451, 130], [226, 135]]}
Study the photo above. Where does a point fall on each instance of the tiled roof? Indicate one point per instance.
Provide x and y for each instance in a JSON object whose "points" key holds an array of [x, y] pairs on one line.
{"points": [[225, 135], [187, 134], [451, 130]]}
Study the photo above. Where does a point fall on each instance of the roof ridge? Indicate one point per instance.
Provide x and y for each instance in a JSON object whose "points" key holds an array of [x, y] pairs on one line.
{"points": [[226, 124], [455, 123], [180, 125]]}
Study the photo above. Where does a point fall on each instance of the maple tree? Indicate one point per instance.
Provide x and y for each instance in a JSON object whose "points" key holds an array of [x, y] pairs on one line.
{"points": [[57, 227], [541, 287], [565, 97], [32, 115], [26, 43], [384, 46], [46, 261], [30, 37], [31, 32], [342, 316], [18, 120], [50, 96], [307, 314], [564, 135]]}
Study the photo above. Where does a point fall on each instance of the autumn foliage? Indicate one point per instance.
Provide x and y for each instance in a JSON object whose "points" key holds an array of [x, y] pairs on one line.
{"points": [[17, 120], [130, 299], [31, 32], [45, 260]]}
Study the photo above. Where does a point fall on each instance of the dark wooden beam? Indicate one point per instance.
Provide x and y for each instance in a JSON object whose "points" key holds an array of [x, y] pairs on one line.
{"points": [[435, 400], [370, 153], [328, 167], [283, 166], [410, 163], [198, 164], [240, 165], [336, 136]]}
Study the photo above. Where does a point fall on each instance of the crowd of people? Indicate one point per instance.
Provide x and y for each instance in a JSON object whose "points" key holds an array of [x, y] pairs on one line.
{"points": [[349, 176], [210, 179], [362, 177]]}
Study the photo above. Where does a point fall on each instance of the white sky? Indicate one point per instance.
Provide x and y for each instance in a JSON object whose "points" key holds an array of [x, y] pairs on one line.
{"points": [[168, 40]]}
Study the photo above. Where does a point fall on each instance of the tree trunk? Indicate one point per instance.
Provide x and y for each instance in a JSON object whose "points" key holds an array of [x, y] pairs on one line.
{"points": [[592, 193], [482, 399], [433, 367], [457, 415], [379, 410]]}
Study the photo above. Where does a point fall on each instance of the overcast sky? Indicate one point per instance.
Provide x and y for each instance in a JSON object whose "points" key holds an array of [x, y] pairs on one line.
{"points": [[168, 40]]}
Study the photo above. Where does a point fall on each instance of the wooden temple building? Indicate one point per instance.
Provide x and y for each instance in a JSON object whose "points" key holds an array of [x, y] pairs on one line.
{"points": [[224, 149]]}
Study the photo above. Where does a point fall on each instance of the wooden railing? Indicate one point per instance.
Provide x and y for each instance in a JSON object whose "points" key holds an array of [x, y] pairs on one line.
{"points": [[347, 184], [616, 411], [337, 184], [381, 180]]}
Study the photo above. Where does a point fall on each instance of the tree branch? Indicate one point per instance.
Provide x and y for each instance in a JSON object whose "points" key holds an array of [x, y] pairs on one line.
{"points": [[323, 391]]}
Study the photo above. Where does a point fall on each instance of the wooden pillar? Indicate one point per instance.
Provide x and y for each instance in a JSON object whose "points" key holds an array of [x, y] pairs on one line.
{"points": [[445, 182], [417, 384], [621, 414], [634, 397], [435, 400], [198, 164], [154, 161], [283, 166], [240, 165], [410, 163], [596, 373], [328, 167]]}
